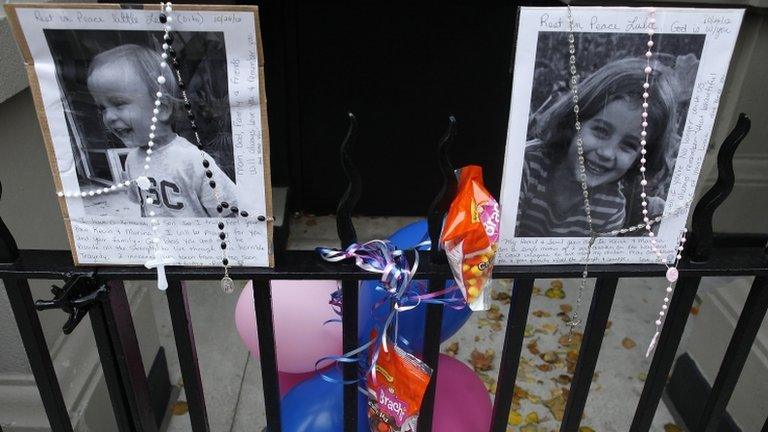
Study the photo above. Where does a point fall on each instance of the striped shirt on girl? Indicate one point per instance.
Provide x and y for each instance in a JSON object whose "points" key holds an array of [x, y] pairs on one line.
{"points": [[538, 217]]}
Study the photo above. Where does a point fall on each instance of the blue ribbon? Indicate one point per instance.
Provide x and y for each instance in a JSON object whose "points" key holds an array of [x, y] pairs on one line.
{"points": [[382, 257]]}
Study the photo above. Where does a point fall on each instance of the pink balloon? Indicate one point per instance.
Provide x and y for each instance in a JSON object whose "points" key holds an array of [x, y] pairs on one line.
{"points": [[462, 403], [299, 309]]}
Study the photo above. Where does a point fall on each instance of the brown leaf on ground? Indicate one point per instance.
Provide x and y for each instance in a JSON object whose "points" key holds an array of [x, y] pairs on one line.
{"points": [[532, 418], [519, 393], [550, 357], [562, 379], [494, 314], [572, 356], [586, 429], [515, 418], [547, 328], [529, 330], [533, 347], [545, 367], [571, 341], [556, 284], [490, 382], [482, 361], [628, 343], [555, 293], [536, 290], [556, 406], [477, 338], [531, 428], [500, 296], [608, 324], [180, 408], [564, 317], [452, 349], [694, 310], [566, 308], [595, 376], [671, 427], [541, 314]]}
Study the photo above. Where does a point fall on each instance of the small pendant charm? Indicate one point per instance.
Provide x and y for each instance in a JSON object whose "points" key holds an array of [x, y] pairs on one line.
{"points": [[227, 285]]}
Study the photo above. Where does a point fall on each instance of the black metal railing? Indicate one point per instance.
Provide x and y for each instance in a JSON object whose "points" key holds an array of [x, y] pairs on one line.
{"points": [[100, 292]]}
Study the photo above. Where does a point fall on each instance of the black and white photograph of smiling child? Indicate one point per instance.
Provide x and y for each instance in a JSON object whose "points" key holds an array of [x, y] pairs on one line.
{"points": [[611, 75], [109, 80]]}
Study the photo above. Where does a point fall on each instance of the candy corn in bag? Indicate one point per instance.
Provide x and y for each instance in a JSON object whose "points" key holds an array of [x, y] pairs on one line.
{"points": [[395, 391], [470, 237]]}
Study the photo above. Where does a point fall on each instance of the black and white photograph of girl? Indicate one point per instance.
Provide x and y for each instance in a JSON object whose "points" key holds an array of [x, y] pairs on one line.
{"points": [[109, 83], [610, 68]]}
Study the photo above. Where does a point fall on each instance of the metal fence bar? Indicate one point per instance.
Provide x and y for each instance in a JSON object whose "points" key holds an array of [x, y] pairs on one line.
{"points": [[262, 298], [432, 330], [520, 302], [671, 333], [181, 319], [125, 345], [599, 311], [350, 341], [736, 355], [110, 366], [38, 354]]}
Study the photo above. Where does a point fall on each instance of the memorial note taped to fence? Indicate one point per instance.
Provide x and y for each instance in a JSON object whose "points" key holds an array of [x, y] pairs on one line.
{"points": [[95, 75], [544, 217]]}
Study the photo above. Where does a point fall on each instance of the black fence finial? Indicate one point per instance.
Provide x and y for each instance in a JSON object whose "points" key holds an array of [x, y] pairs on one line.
{"points": [[344, 225], [9, 251], [701, 221], [443, 198]]}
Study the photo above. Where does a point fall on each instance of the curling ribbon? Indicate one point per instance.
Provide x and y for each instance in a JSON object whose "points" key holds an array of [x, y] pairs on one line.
{"points": [[402, 295]]}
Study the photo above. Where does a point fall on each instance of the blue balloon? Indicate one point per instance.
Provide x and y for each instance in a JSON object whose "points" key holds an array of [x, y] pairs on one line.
{"points": [[316, 405], [412, 322]]}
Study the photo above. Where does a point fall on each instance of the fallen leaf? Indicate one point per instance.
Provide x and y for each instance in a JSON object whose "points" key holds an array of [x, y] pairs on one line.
{"points": [[608, 324], [515, 418], [628, 343], [536, 290], [550, 357], [533, 347], [311, 222], [494, 314], [482, 361], [477, 338], [489, 381], [556, 284], [564, 317], [500, 296], [694, 310], [562, 379], [541, 314], [452, 349], [531, 428], [642, 376], [532, 418], [547, 328], [555, 293], [586, 429], [180, 408], [556, 406], [595, 376], [532, 398], [671, 427], [573, 340], [519, 393], [572, 356], [529, 330], [566, 308], [545, 367]]}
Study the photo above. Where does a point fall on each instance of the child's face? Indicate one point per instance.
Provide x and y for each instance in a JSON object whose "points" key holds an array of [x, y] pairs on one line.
{"points": [[124, 101], [611, 141]]}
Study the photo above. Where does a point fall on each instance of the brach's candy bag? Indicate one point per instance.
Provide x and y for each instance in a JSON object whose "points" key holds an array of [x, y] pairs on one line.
{"points": [[470, 237], [394, 395]]}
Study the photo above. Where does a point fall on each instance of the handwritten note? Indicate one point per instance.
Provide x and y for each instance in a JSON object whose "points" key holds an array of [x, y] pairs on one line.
{"points": [[720, 28], [126, 240]]}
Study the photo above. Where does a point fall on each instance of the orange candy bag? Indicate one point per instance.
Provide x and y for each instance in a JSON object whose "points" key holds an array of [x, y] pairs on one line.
{"points": [[395, 393], [470, 237]]}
